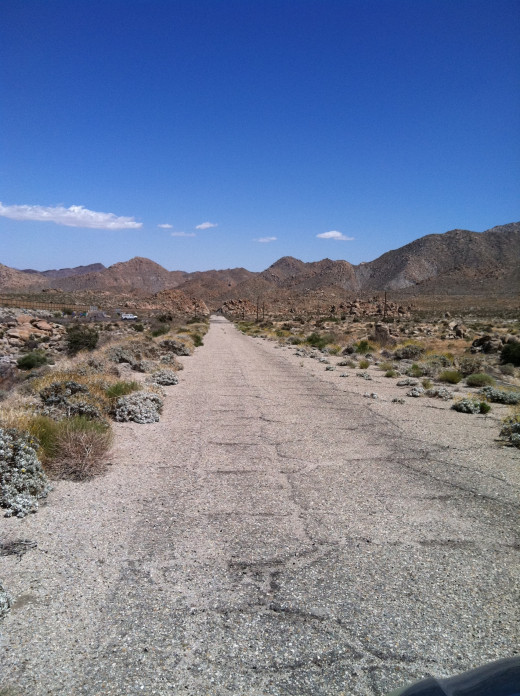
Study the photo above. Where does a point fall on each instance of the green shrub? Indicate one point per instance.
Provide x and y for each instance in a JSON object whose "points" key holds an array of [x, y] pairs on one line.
{"points": [[122, 388], [508, 370], [414, 371], [81, 338], [363, 347], [197, 340], [479, 379], [36, 358], [363, 364], [319, 340], [511, 354], [450, 376], [471, 405], [384, 366], [427, 383], [160, 330], [391, 373], [295, 341], [67, 311], [137, 327], [501, 396]]}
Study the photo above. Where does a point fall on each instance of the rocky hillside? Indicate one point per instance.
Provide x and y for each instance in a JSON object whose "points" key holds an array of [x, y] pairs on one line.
{"points": [[458, 262]]}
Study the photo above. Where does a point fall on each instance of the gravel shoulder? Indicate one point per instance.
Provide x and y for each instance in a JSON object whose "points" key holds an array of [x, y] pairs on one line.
{"points": [[277, 533]]}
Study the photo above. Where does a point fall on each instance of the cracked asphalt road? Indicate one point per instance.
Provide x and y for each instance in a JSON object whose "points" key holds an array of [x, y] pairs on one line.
{"points": [[275, 534]]}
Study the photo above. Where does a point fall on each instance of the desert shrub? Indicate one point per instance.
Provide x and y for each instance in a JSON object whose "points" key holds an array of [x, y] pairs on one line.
{"points": [[427, 383], [295, 341], [137, 327], [511, 354], [34, 359], [415, 391], [319, 340], [384, 366], [334, 350], [363, 364], [407, 382], [409, 352], [391, 373], [121, 388], [450, 376], [140, 407], [67, 311], [439, 393], [160, 330], [479, 379], [163, 378], [470, 364], [363, 347], [197, 340], [414, 371], [510, 431], [508, 370], [164, 318], [170, 359], [6, 602], [171, 345], [501, 396], [471, 405], [81, 338], [23, 481], [80, 446]]}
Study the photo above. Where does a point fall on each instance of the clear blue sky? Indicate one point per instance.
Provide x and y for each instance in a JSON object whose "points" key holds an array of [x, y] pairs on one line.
{"points": [[378, 120]]}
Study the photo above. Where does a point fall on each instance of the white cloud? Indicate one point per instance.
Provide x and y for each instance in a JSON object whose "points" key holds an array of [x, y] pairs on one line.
{"points": [[334, 234], [206, 226], [75, 216], [265, 240], [183, 234], [166, 226]]}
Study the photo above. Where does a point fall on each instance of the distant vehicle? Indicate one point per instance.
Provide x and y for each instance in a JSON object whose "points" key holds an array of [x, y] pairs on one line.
{"points": [[128, 316]]}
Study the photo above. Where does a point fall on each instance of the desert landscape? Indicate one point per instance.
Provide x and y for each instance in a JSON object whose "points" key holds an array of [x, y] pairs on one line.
{"points": [[299, 481]]}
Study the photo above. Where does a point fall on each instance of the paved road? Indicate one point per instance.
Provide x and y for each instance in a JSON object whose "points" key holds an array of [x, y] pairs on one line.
{"points": [[290, 540]]}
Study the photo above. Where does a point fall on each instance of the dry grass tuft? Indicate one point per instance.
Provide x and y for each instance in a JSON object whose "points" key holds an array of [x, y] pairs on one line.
{"points": [[80, 451]]}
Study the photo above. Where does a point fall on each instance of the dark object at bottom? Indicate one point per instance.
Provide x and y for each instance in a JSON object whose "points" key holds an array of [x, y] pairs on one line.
{"points": [[501, 678]]}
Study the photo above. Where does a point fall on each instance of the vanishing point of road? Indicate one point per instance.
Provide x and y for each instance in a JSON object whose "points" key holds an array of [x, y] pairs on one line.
{"points": [[276, 533]]}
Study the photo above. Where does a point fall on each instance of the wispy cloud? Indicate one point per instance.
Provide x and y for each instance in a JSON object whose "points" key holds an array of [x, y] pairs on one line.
{"points": [[266, 240], [334, 234], [166, 226], [75, 216], [183, 234], [206, 225]]}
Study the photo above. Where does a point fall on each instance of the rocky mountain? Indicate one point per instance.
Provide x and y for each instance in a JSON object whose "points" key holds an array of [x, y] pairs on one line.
{"points": [[456, 262], [138, 274], [67, 272]]}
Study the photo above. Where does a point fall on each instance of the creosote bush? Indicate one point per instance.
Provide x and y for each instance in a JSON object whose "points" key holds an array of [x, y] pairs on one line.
{"points": [[450, 376], [81, 338], [478, 379], [511, 354], [34, 359]]}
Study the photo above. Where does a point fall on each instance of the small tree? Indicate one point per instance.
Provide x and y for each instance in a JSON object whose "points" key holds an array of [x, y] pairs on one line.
{"points": [[81, 338]]}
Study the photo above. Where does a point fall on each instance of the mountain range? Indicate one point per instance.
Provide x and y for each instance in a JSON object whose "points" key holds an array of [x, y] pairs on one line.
{"points": [[456, 262]]}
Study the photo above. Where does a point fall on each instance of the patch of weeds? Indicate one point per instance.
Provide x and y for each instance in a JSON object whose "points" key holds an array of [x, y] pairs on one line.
{"points": [[410, 351], [319, 340], [363, 347], [479, 379], [121, 388], [197, 340], [80, 448], [363, 364], [427, 383], [470, 364], [508, 370], [391, 373], [450, 376]]}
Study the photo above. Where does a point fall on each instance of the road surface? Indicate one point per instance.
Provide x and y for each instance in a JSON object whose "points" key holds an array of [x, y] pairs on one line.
{"points": [[276, 533]]}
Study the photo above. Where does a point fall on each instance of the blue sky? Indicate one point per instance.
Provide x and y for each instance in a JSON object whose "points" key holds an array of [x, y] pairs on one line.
{"points": [[377, 120]]}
